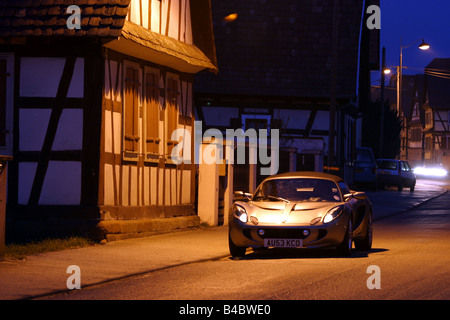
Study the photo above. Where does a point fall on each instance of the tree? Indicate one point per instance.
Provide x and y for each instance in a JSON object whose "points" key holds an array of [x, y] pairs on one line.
{"points": [[391, 132]]}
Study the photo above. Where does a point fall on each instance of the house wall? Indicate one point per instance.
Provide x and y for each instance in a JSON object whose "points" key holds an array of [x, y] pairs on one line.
{"points": [[53, 178], [171, 18], [143, 103], [145, 183], [39, 80], [6, 102], [437, 137]]}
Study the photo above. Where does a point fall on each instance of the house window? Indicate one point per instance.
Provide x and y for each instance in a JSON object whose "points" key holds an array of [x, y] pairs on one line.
{"points": [[131, 110], [152, 110], [172, 104], [256, 124], [416, 134], [257, 121]]}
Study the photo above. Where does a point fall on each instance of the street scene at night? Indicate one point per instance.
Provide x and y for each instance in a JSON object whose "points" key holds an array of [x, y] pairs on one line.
{"points": [[224, 158]]}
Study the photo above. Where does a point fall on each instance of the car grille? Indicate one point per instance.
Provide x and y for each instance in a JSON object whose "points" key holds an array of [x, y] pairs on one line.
{"points": [[283, 233]]}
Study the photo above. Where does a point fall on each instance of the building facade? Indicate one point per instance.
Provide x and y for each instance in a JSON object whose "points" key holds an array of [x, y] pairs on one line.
{"points": [[90, 106], [437, 113], [294, 66]]}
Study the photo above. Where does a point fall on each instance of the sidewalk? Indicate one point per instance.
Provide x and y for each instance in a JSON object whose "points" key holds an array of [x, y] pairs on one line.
{"points": [[46, 273]]}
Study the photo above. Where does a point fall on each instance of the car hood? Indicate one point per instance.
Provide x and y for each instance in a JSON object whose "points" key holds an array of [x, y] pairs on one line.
{"points": [[280, 212]]}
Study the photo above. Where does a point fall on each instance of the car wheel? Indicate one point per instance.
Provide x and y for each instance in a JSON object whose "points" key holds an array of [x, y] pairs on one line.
{"points": [[345, 248], [366, 242], [235, 251]]}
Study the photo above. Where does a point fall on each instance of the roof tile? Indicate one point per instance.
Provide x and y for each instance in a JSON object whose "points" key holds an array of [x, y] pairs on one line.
{"points": [[103, 18]]}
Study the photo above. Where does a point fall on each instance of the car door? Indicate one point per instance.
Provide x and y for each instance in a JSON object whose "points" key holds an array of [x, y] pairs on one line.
{"points": [[406, 173]]}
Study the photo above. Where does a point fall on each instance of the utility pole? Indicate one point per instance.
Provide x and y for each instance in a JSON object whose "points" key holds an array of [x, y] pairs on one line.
{"points": [[383, 67]]}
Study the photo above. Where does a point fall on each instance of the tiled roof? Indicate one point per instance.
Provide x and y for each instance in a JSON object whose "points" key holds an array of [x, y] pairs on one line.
{"points": [[283, 48], [187, 53], [103, 18]]}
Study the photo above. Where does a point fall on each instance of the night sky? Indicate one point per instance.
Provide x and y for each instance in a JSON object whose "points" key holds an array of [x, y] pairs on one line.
{"points": [[410, 20]]}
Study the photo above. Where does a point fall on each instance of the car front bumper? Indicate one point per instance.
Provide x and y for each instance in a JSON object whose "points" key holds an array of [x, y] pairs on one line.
{"points": [[319, 236]]}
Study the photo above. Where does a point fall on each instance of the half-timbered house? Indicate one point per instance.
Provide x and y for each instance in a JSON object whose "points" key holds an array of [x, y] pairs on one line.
{"points": [[92, 94], [437, 113], [416, 122]]}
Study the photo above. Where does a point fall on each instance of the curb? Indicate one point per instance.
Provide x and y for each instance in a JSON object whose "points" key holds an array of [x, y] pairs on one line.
{"points": [[115, 230]]}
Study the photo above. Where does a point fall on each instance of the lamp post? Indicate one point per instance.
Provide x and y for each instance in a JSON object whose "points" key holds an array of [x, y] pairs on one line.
{"points": [[384, 71], [422, 46]]}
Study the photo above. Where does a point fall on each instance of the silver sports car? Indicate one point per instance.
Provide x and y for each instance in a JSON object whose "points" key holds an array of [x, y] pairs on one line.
{"points": [[301, 210]]}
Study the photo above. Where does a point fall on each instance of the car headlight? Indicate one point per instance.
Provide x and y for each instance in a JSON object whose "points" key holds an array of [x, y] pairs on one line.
{"points": [[240, 213], [333, 214]]}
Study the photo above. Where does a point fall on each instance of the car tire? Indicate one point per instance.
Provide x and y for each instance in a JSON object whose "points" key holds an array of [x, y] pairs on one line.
{"points": [[366, 242], [235, 251], [345, 248]]}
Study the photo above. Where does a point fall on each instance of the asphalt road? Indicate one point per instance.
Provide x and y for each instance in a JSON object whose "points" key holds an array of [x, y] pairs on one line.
{"points": [[409, 260]]}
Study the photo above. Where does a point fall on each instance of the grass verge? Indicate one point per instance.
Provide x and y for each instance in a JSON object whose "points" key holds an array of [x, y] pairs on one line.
{"points": [[20, 251]]}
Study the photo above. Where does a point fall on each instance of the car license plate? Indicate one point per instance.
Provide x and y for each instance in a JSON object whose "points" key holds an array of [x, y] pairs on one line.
{"points": [[283, 243], [385, 172]]}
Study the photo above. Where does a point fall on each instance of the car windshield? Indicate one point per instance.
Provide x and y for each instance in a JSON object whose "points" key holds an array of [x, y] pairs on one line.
{"points": [[363, 155], [387, 164], [298, 189]]}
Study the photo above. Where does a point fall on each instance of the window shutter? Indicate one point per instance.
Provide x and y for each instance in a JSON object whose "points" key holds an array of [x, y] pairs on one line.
{"points": [[131, 110], [172, 105], [152, 116]]}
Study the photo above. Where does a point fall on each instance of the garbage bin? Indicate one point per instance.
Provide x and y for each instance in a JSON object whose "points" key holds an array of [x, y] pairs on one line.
{"points": [[3, 183]]}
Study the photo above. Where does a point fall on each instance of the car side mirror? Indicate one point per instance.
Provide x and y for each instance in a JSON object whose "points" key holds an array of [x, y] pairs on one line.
{"points": [[241, 195], [347, 196], [359, 195], [355, 194]]}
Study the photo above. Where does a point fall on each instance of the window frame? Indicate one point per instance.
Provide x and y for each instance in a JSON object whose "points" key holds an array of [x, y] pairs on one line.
{"points": [[134, 154], [152, 155], [171, 112]]}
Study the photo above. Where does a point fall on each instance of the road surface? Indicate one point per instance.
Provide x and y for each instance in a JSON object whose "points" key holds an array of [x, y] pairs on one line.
{"points": [[410, 259]]}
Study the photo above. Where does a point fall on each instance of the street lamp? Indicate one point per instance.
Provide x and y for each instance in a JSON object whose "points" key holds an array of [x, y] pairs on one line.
{"points": [[422, 46], [384, 72]]}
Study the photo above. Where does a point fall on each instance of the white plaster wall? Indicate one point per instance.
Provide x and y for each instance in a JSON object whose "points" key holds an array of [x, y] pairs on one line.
{"points": [[40, 76], [62, 183]]}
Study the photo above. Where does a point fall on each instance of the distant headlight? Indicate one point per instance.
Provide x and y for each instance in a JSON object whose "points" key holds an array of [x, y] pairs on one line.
{"points": [[435, 172], [333, 214], [240, 213]]}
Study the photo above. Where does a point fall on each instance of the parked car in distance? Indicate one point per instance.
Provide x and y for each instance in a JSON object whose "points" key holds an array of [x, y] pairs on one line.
{"points": [[301, 210], [365, 168], [392, 172]]}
